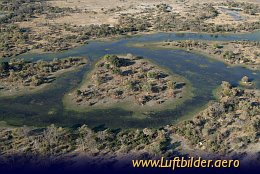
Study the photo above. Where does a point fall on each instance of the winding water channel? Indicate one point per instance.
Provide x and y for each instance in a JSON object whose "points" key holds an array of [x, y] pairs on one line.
{"points": [[45, 107]]}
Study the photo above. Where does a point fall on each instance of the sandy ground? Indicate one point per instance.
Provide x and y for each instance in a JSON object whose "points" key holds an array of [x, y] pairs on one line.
{"points": [[94, 12]]}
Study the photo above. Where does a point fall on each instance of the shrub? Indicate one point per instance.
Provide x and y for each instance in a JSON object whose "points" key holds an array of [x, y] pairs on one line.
{"points": [[117, 71], [79, 92], [152, 74]]}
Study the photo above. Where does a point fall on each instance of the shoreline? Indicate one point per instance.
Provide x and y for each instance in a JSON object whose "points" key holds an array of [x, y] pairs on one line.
{"points": [[159, 45]]}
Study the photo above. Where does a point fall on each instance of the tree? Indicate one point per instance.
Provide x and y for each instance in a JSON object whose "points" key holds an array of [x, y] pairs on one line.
{"points": [[86, 140], [115, 61], [4, 66], [217, 46], [152, 74], [79, 92]]}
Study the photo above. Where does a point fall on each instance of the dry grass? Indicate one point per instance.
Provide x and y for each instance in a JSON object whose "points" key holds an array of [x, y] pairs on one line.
{"points": [[108, 12]]}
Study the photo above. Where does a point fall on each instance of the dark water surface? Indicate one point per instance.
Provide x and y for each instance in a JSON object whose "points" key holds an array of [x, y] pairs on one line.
{"points": [[44, 108]]}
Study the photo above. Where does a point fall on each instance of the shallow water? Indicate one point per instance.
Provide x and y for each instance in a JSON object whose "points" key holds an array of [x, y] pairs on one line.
{"points": [[233, 13], [45, 107]]}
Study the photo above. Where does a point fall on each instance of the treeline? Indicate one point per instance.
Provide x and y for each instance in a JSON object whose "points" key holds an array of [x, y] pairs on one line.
{"points": [[126, 25], [171, 22], [21, 10]]}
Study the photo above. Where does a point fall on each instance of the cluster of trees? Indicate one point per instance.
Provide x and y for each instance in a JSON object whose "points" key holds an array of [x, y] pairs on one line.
{"points": [[170, 22], [126, 25], [4, 67], [21, 10], [11, 37], [123, 77], [240, 57], [34, 74], [227, 125], [224, 50], [188, 44], [251, 9], [164, 7], [55, 142], [248, 43]]}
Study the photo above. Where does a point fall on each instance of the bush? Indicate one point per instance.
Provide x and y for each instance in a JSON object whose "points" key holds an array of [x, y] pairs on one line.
{"points": [[152, 74], [117, 71], [79, 92]]}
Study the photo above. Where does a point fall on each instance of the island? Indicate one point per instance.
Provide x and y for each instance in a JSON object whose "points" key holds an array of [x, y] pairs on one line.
{"points": [[18, 77], [129, 82]]}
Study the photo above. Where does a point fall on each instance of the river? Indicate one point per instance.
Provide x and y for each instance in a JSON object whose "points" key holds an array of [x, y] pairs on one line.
{"points": [[45, 107]]}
